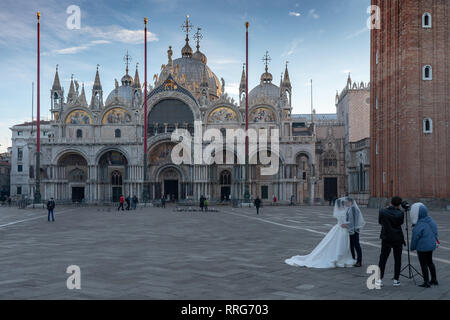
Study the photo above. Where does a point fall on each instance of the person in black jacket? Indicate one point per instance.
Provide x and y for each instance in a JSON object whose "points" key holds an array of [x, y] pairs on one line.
{"points": [[50, 207], [391, 220], [257, 204], [202, 203]]}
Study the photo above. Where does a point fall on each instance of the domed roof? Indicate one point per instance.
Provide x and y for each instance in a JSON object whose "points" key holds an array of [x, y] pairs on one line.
{"points": [[265, 89], [124, 93], [127, 80], [193, 69], [200, 56]]}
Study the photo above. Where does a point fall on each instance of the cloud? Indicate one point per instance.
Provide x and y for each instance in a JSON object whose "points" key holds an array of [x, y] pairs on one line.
{"points": [[232, 88], [76, 49], [71, 50], [119, 34], [357, 33], [294, 14], [312, 13], [291, 48]]}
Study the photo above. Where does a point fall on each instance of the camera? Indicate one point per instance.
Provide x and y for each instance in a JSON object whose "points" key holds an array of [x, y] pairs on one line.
{"points": [[405, 205]]}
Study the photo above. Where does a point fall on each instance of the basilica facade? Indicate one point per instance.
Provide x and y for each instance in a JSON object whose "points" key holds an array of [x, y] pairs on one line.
{"points": [[94, 152]]}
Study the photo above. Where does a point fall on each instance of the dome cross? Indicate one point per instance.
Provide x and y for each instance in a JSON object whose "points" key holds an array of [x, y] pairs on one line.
{"points": [[266, 59]]}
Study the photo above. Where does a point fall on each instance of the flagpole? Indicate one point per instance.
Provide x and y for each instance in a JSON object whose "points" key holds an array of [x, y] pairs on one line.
{"points": [[145, 191], [37, 191], [247, 187]]}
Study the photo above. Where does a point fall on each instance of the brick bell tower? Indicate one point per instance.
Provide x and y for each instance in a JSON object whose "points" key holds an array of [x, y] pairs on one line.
{"points": [[410, 102]]}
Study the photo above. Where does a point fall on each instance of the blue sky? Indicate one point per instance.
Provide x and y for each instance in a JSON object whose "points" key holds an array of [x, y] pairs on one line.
{"points": [[323, 40]]}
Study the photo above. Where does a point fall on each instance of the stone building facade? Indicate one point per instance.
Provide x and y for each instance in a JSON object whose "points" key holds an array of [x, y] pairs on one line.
{"points": [[23, 153], [353, 110], [93, 151], [410, 102], [5, 174]]}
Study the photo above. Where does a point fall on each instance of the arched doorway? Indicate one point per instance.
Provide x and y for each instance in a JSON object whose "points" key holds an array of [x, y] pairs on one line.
{"points": [[225, 185], [169, 179], [74, 170], [112, 173], [116, 184]]}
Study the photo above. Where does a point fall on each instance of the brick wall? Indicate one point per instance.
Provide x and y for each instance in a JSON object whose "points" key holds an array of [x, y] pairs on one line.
{"points": [[410, 163]]}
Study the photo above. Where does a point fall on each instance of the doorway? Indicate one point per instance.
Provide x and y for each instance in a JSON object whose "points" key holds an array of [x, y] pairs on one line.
{"points": [[225, 193], [330, 188], [77, 194], [171, 189], [116, 193], [264, 192]]}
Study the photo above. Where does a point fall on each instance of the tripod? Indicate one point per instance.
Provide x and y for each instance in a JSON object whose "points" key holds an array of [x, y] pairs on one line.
{"points": [[412, 272]]}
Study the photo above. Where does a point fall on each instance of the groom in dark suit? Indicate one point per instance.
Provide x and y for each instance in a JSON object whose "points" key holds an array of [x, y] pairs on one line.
{"points": [[352, 216]]}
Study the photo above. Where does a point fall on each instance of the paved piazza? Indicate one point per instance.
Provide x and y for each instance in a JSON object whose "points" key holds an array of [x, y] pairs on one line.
{"points": [[155, 253]]}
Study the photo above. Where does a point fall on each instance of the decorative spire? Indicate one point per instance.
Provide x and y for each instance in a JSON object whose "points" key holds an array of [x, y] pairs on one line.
{"points": [[287, 80], [349, 80], [137, 82], [71, 94], [204, 78], [56, 83], [97, 85], [82, 99], [242, 85], [187, 50]]}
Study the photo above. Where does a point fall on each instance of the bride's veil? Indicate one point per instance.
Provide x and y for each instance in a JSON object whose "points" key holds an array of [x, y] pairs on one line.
{"points": [[339, 208], [351, 204]]}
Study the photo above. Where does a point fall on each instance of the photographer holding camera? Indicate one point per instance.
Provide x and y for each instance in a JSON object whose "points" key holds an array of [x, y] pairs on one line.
{"points": [[391, 220]]}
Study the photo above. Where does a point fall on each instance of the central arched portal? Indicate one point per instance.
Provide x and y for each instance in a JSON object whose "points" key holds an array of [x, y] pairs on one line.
{"points": [[170, 180], [75, 171], [112, 173]]}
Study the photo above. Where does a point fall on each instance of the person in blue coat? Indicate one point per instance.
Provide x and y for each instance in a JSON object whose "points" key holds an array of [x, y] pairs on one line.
{"points": [[424, 240]]}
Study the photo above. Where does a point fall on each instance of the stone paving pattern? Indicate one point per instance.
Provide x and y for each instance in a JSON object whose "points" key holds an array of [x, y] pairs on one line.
{"points": [[156, 253]]}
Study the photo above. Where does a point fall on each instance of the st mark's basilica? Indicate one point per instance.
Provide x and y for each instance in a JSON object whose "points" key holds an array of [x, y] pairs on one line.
{"points": [[93, 152]]}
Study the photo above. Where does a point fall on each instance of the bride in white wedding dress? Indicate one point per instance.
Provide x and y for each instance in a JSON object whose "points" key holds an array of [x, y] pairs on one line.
{"points": [[334, 250]]}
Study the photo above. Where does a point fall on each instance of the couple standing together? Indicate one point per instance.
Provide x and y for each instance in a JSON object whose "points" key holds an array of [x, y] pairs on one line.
{"points": [[340, 247]]}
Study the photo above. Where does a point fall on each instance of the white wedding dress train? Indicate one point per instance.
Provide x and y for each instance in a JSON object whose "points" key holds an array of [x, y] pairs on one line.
{"points": [[333, 251]]}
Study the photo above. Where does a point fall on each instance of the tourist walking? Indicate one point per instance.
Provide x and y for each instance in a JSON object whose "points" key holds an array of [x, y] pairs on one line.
{"points": [[424, 240], [206, 204], [121, 201], [128, 200], [202, 202], [163, 201], [274, 200], [135, 202], [51, 207], [257, 203]]}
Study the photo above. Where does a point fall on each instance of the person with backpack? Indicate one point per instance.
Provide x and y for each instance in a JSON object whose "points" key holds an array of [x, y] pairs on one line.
{"points": [[51, 207]]}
